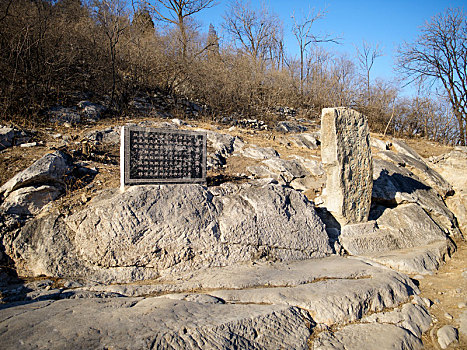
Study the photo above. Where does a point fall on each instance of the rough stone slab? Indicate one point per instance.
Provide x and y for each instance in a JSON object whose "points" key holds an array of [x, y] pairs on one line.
{"points": [[394, 185], [147, 230], [422, 260], [332, 289], [29, 200], [406, 226], [447, 335], [50, 169], [378, 144], [304, 140], [138, 323], [258, 153], [225, 144], [337, 290], [282, 170], [428, 176], [6, 137], [414, 318], [402, 148], [452, 167], [346, 154], [368, 337], [314, 166]]}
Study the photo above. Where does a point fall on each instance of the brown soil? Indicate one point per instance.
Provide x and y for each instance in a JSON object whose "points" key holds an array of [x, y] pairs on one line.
{"points": [[447, 288]]}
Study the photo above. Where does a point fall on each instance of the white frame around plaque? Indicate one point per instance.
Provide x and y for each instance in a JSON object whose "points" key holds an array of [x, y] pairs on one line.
{"points": [[125, 154]]}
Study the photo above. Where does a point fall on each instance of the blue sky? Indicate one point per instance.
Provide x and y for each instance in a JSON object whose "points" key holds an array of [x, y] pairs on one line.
{"points": [[388, 23]]}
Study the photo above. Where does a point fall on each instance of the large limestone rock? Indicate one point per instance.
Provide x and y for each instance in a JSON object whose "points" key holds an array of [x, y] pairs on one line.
{"points": [[453, 166], [346, 154], [152, 323], [369, 337], [28, 192], [395, 185], [404, 238], [149, 230], [50, 169], [29, 200], [260, 306], [405, 226], [12, 137], [6, 137], [417, 166]]}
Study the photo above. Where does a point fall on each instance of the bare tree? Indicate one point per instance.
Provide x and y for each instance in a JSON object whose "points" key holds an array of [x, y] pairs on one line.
{"points": [[177, 12], [111, 15], [366, 56], [439, 55], [301, 29], [258, 32]]}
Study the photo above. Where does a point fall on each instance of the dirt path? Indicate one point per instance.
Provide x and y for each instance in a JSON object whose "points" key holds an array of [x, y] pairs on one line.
{"points": [[447, 288]]}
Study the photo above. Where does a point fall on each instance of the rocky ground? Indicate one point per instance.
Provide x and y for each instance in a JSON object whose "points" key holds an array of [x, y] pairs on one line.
{"points": [[252, 260]]}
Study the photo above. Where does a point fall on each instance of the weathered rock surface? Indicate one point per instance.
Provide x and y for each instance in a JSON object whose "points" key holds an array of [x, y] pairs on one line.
{"points": [[414, 318], [220, 147], [347, 160], [284, 171], [304, 140], [291, 298], [447, 335], [402, 148], [426, 174], [224, 144], [378, 144], [12, 137], [108, 136], [452, 167], [259, 153], [150, 229], [288, 126], [422, 260], [369, 337], [147, 323], [50, 169], [394, 184], [405, 238], [29, 200], [463, 323]]}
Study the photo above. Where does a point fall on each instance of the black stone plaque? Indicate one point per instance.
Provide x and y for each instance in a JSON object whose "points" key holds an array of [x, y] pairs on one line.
{"points": [[161, 156]]}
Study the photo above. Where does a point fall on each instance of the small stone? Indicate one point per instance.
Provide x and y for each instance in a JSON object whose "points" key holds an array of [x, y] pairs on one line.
{"points": [[27, 145], [436, 301], [72, 284], [448, 316], [67, 125], [447, 335], [461, 305], [84, 198]]}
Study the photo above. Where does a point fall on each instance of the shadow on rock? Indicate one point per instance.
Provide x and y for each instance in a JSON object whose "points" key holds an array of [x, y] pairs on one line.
{"points": [[387, 186], [333, 228]]}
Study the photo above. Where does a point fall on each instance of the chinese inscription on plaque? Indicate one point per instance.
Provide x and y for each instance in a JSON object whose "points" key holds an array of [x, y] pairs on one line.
{"points": [[157, 156]]}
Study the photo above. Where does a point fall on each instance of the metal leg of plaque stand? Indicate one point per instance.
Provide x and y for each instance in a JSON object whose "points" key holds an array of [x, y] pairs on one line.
{"points": [[122, 159]]}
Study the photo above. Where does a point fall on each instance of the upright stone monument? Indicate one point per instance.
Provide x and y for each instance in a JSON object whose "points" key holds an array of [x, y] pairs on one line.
{"points": [[160, 156], [346, 156]]}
